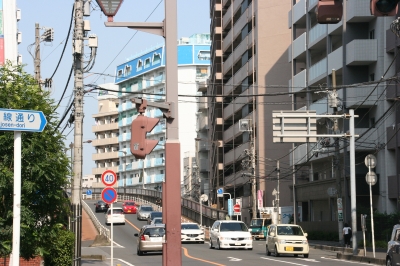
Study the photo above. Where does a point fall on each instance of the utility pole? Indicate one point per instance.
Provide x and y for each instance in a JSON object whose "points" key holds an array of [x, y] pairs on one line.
{"points": [[37, 53], [336, 161], [253, 173], [277, 194], [78, 118]]}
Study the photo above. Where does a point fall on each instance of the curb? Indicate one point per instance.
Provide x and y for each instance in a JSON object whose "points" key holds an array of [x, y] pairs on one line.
{"points": [[358, 258], [93, 257]]}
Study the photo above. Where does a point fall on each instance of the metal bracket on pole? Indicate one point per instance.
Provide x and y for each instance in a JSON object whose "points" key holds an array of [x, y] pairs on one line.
{"points": [[157, 28], [167, 108]]}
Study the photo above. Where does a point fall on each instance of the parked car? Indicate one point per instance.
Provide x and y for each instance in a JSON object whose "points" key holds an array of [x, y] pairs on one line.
{"points": [[129, 206], [118, 216], [191, 232], [230, 234], [157, 220], [287, 239], [153, 215], [144, 211], [392, 254], [150, 238], [101, 206]]}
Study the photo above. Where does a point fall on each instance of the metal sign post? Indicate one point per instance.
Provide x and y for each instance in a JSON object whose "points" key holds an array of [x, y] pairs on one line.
{"points": [[370, 162], [17, 121]]}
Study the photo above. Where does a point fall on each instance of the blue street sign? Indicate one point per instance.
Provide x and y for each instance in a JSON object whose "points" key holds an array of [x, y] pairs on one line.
{"points": [[22, 120], [88, 192], [109, 195], [230, 207], [220, 191]]}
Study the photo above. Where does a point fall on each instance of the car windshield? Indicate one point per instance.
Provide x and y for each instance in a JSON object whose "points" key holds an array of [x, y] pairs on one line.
{"points": [[233, 227], [101, 203], [256, 223], [116, 211], [290, 230], [190, 226], [158, 221], [155, 232], [129, 204], [156, 214], [146, 208]]}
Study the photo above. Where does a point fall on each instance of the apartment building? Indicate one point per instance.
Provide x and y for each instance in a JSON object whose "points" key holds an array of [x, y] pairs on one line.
{"points": [[144, 76], [357, 49], [106, 133], [249, 51]]}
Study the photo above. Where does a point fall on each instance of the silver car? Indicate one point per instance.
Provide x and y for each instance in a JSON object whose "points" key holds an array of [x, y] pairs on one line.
{"points": [[150, 238], [144, 212]]}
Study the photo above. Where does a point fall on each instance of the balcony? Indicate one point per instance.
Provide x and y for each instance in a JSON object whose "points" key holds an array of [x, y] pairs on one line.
{"points": [[299, 12], [105, 141], [104, 156], [236, 179], [393, 92], [358, 11], [321, 107], [202, 103], [227, 41], [202, 123], [105, 127], [299, 82], [237, 104], [227, 18], [235, 153], [228, 64], [316, 34], [241, 74], [228, 87], [159, 178], [317, 71], [99, 171], [299, 47], [335, 59], [241, 49], [362, 52], [333, 28], [238, 26], [358, 95], [312, 4], [204, 165]]}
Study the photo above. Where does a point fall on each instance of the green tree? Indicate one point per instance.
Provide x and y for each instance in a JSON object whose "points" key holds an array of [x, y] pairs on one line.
{"points": [[44, 171]]}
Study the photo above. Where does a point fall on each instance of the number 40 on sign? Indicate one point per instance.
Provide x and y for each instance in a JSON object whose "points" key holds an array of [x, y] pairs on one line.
{"points": [[109, 178]]}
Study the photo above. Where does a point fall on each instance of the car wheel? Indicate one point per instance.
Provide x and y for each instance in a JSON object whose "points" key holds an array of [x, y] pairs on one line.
{"points": [[305, 255], [140, 253], [296, 255], [210, 244], [388, 262], [276, 252], [267, 251]]}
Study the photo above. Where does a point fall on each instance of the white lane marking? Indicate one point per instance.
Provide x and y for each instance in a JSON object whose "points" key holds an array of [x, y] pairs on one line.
{"points": [[127, 263], [234, 259], [264, 258], [312, 260], [118, 245], [349, 261]]}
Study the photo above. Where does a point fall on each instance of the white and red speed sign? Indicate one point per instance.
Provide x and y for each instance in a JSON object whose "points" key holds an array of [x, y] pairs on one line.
{"points": [[109, 177]]}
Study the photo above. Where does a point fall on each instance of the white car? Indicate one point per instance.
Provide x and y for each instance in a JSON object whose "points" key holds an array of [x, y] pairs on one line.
{"points": [[287, 239], [118, 216], [230, 234], [191, 232]]}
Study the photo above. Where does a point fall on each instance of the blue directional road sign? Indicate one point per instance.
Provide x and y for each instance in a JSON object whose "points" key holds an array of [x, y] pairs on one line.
{"points": [[88, 192], [220, 192], [22, 120], [109, 195]]}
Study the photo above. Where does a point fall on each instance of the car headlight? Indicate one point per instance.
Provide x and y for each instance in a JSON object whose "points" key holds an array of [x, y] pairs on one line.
{"points": [[304, 242], [282, 241]]}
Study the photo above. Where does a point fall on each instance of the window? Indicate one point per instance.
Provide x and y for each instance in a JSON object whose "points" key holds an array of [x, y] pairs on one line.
{"points": [[139, 65], [201, 72], [372, 77], [128, 70], [372, 34], [156, 58], [162, 172], [147, 63], [120, 73], [204, 55]]}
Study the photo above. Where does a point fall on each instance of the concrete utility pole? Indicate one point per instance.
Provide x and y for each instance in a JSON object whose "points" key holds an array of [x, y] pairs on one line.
{"points": [[336, 160], [253, 174], [78, 115], [278, 172], [37, 52]]}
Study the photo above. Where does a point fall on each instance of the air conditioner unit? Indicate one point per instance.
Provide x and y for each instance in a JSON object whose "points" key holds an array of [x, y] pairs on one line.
{"points": [[244, 125]]}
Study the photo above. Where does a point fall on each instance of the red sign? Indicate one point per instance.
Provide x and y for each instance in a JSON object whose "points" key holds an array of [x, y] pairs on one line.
{"points": [[109, 195], [236, 208], [109, 177]]}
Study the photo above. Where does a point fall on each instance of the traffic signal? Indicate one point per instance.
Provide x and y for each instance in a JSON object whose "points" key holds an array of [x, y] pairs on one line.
{"points": [[140, 146], [329, 11], [384, 7]]}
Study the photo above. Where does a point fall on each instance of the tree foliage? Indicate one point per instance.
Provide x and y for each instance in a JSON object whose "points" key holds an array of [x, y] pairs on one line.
{"points": [[44, 169]]}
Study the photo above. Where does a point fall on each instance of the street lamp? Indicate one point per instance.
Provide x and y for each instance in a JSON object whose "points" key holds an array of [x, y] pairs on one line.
{"points": [[109, 7]]}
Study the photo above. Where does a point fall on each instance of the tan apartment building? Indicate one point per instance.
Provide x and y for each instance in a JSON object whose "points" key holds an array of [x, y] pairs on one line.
{"points": [[106, 132], [249, 54]]}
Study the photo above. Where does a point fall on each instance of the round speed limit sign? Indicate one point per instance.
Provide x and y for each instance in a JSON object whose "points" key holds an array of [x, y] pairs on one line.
{"points": [[109, 177]]}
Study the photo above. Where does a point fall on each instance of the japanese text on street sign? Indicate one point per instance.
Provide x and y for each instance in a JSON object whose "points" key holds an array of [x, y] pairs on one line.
{"points": [[22, 120]]}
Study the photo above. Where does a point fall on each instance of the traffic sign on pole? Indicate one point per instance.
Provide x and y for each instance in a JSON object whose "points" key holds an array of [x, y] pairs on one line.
{"points": [[236, 210], [109, 178], [109, 195], [220, 192], [22, 120]]}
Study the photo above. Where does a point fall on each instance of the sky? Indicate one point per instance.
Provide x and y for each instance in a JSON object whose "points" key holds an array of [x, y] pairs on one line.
{"points": [[115, 46]]}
